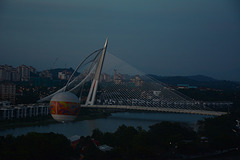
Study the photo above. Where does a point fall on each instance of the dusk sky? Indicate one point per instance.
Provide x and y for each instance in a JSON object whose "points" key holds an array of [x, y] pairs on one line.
{"points": [[162, 37]]}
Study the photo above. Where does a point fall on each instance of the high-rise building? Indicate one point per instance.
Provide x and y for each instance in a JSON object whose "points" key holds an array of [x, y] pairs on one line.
{"points": [[9, 73], [2, 73], [8, 92], [24, 72], [117, 77], [15, 76], [137, 80], [105, 78]]}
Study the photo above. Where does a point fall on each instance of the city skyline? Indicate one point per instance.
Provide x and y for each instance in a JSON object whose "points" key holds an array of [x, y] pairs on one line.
{"points": [[157, 37], [8, 73]]}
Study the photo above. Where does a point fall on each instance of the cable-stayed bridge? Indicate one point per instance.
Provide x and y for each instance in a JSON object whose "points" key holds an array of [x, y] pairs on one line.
{"points": [[107, 82]]}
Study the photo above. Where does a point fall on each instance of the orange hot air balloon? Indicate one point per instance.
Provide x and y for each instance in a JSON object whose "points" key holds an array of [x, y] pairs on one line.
{"points": [[64, 107]]}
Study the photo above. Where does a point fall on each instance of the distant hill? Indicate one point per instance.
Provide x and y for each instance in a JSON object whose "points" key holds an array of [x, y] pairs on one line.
{"points": [[198, 80], [201, 78]]}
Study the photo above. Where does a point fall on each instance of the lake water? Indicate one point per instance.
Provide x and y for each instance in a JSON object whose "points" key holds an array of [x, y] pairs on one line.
{"points": [[110, 124]]}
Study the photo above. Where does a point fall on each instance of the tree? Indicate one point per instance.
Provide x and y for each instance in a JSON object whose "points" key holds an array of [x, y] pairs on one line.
{"points": [[36, 146]]}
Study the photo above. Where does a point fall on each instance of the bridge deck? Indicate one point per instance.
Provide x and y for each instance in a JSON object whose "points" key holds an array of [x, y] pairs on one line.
{"points": [[158, 109]]}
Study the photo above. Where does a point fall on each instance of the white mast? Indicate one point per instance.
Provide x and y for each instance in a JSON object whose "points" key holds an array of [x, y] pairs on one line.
{"points": [[94, 85]]}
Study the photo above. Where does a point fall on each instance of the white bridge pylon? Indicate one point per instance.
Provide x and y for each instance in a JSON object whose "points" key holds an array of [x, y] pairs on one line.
{"points": [[93, 90]]}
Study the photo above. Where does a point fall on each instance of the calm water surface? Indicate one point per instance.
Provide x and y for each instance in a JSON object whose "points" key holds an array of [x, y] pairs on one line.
{"points": [[109, 124]]}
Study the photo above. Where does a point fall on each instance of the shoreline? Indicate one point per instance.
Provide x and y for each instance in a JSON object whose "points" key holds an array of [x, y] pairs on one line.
{"points": [[47, 120]]}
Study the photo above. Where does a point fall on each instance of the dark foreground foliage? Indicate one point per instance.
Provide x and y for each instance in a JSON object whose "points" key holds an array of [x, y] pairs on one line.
{"points": [[169, 140], [166, 140], [221, 132], [36, 146]]}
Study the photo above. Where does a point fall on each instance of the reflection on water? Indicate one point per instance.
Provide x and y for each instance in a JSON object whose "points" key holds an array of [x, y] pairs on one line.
{"points": [[109, 124]]}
